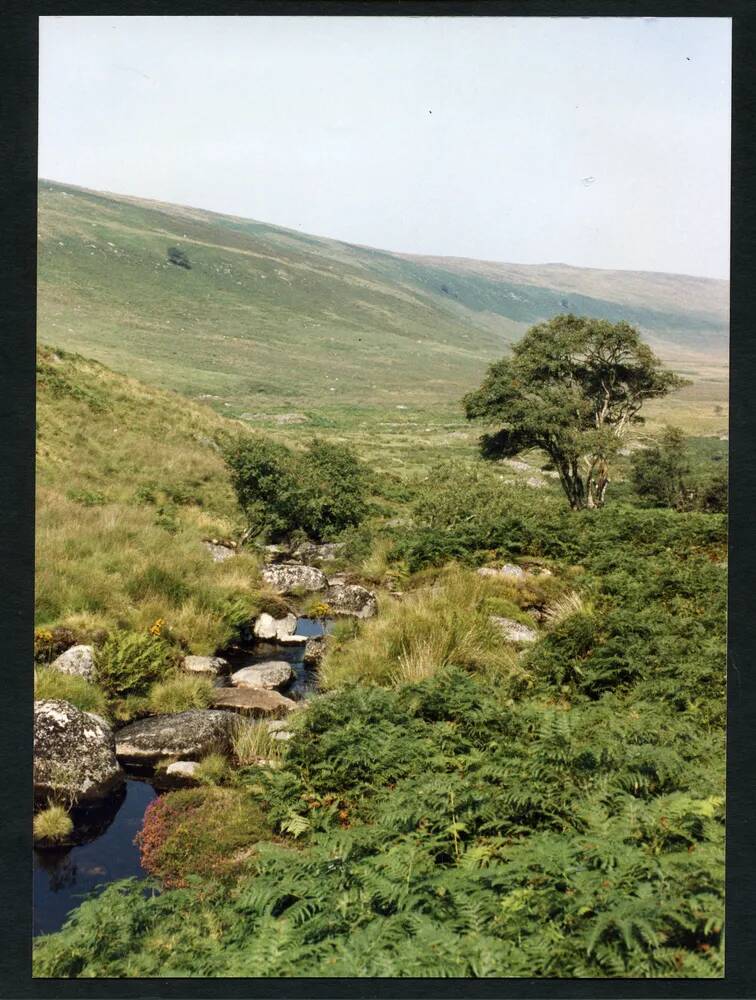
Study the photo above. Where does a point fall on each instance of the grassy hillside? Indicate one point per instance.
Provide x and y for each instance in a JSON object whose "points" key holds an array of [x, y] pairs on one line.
{"points": [[278, 328]]}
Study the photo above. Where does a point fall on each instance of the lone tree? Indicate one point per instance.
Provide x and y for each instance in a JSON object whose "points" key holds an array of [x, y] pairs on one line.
{"points": [[571, 387]]}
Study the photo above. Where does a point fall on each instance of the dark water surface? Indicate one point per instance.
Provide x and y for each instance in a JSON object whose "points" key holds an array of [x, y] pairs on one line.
{"points": [[64, 875]]}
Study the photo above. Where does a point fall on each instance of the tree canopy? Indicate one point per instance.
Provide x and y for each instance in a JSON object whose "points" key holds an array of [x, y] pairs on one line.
{"points": [[572, 386]]}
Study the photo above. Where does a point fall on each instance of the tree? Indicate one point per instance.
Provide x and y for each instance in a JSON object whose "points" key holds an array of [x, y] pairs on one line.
{"points": [[659, 473], [572, 387]]}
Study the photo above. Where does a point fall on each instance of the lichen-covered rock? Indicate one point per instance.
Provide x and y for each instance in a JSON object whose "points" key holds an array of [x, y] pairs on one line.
{"points": [[74, 754], [351, 599], [185, 735], [514, 631], [207, 666], [264, 676], [275, 629], [288, 577], [314, 650], [508, 570], [219, 552], [310, 552], [252, 701], [78, 660]]}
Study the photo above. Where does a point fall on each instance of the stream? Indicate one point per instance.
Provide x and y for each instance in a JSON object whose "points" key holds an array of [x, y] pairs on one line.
{"points": [[63, 876]]}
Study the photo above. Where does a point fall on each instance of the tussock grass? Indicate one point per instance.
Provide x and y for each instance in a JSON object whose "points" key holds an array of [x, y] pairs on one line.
{"points": [[564, 607], [251, 741], [213, 770], [179, 693], [49, 683], [430, 628], [52, 824]]}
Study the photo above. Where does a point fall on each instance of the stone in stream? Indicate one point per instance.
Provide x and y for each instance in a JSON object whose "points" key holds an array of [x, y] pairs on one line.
{"points": [[264, 676], [288, 577], [351, 599], [74, 754], [314, 650], [277, 629], [78, 661], [184, 735], [514, 631], [252, 701], [207, 666]]}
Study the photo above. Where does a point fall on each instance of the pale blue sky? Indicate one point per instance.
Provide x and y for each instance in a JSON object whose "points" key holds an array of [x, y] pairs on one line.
{"points": [[601, 142]]}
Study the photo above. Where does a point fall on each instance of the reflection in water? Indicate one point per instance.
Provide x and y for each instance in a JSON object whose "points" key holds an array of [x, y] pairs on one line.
{"points": [[64, 875]]}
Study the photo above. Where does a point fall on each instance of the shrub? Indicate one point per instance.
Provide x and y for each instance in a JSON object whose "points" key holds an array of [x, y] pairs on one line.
{"points": [[49, 683], [52, 824], [213, 770], [199, 831], [178, 257], [128, 663], [179, 694]]}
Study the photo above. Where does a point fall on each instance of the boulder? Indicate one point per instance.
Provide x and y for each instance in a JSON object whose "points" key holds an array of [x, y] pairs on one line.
{"points": [[183, 769], [186, 735], [219, 552], [327, 552], [351, 599], [268, 627], [288, 577], [74, 755], [252, 701], [264, 676], [78, 660], [507, 570], [314, 650], [208, 666], [513, 631]]}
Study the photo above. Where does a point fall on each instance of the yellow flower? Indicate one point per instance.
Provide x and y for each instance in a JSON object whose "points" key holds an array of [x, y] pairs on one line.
{"points": [[157, 626]]}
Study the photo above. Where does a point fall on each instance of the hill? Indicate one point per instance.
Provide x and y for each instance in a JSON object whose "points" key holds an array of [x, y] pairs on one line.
{"points": [[271, 325]]}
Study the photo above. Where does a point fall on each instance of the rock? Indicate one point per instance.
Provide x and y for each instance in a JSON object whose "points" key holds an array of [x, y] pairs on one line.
{"points": [[78, 660], [186, 735], [351, 599], [314, 650], [326, 552], [252, 701], [264, 676], [277, 726], [183, 769], [268, 627], [209, 666], [219, 552], [74, 754], [275, 553], [535, 482], [287, 577], [507, 570], [292, 640], [514, 631]]}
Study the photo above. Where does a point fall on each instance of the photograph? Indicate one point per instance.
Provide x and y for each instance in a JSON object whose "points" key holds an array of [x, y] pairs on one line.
{"points": [[381, 497]]}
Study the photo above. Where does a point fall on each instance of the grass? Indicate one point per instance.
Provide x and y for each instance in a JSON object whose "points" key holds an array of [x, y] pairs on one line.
{"points": [[251, 742], [52, 684], [213, 769], [52, 824], [179, 694], [444, 623]]}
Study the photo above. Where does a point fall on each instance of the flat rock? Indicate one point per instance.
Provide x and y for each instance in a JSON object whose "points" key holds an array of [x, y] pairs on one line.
{"points": [[514, 631], [264, 676], [74, 755], [252, 701], [351, 599], [208, 666], [186, 735], [288, 577], [268, 627], [78, 661]]}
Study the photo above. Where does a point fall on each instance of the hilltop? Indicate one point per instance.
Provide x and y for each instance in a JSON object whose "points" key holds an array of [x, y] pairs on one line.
{"points": [[275, 326]]}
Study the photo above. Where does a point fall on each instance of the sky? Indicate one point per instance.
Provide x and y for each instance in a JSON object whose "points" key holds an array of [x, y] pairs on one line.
{"points": [[597, 142]]}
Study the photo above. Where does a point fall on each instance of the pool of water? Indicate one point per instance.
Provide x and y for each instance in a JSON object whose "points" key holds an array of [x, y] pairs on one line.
{"points": [[305, 680], [64, 875]]}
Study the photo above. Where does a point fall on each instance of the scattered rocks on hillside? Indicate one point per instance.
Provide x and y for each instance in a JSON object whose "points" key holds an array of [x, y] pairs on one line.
{"points": [[310, 552], [252, 701], [351, 599], [507, 570], [78, 661], [219, 552], [264, 676], [514, 631], [74, 754], [288, 577], [185, 735], [276, 629], [208, 666]]}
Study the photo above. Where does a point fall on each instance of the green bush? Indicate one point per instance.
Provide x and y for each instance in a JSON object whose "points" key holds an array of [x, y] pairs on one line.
{"points": [[128, 663]]}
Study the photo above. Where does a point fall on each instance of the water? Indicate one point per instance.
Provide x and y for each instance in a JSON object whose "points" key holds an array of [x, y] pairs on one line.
{"points": [[64, 875], [305, 678]]}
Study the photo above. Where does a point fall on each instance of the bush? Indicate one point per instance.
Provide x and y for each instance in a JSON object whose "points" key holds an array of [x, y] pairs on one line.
{"points": [[199, 831], [49, 683], [213, 770], [128, 663], [179, 694], [178, 257], [319, 492], [52, 824]]}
